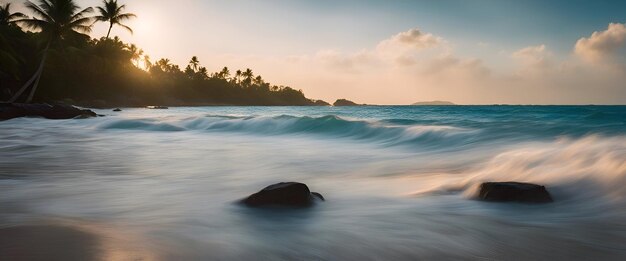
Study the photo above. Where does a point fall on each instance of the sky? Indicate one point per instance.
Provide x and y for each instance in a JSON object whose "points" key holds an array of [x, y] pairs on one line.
{"points": [[399, 52]]}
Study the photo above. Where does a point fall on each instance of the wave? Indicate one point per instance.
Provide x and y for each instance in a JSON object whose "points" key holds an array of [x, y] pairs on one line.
{"points": [[389, 132], [591, 169]]}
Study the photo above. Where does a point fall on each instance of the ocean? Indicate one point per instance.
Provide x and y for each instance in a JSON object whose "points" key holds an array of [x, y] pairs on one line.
{"points": [[399, 181]]}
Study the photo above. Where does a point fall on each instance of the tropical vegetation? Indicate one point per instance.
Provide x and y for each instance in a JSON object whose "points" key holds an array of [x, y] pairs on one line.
{"points": [[46, 55]]}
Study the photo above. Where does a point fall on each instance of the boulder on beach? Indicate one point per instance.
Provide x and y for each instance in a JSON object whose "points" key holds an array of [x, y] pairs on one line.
{"points": [[48, 111], [514, 192], [117, 109], [283, 194]]}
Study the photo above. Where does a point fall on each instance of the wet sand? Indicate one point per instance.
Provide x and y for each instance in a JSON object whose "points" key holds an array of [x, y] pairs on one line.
{"points": [[65, 242], [46, 242]]}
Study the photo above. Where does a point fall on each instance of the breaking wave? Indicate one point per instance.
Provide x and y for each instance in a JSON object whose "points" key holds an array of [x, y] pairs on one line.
{"points": [[386, 131]]}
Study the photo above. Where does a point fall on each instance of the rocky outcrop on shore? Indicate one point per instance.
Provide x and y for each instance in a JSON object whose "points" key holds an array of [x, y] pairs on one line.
{"points": [[48, 111]]}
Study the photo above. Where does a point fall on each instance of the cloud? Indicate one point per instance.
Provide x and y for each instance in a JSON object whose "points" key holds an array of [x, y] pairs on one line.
{"points": [[602, 46], [413, 66], [448, 65], [404, 48], [534, 60], [345, 62], [533, 55], [412, 39]]}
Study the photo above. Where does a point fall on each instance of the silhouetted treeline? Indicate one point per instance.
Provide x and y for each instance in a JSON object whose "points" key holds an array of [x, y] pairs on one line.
{"points": [[106, 72]]}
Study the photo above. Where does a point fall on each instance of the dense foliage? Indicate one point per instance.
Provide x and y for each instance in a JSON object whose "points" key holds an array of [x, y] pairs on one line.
{"points": [[107, 72]]}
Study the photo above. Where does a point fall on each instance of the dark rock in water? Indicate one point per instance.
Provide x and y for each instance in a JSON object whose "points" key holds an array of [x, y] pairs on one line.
{"points": [[48, 111], [318, 195], [157, 107], [117, 109], [285, 193], [514, 191]]}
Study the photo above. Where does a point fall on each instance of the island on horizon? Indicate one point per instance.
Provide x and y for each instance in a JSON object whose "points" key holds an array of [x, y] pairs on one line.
{"points": [[433, 103]]}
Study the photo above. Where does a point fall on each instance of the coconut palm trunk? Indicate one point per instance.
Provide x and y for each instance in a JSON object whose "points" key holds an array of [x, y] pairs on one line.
{"points": [[34, 78], [109, 32], [56, 20]]}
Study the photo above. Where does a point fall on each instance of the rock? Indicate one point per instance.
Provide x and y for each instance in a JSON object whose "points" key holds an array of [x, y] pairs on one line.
{"points": [[117, 109], [285, 193], [48, 111], [344, 102], [514, 191], [321, 103], [318, 195], [157, 107]]}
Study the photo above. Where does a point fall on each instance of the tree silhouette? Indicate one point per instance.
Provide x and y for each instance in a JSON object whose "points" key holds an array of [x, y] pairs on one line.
{"points": [[105, 72], [202, 73], [237, 77], [194, 62], [8, 58], [57, 20], [224, 74], [146, 62], [247, 77], [7, 18], [111, 12], [136, 53]]}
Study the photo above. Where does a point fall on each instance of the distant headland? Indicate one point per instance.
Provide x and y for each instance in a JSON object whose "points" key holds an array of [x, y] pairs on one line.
{"points": [[344, 102], [431, 103]]}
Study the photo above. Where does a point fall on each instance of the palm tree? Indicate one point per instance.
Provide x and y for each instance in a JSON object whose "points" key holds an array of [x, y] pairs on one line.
{"points": [[258, 81], [56, 19], [224, 73], [135, 53], [112, 12], [248, 75], [8, 57], [237, 77], [146, 62], [194, 63], [203, 73], [8, 18]]}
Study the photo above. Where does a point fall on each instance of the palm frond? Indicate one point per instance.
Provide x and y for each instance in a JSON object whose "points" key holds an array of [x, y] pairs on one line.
{"points": [[123, 17], [16, 16], [82, 14], [38, 11], [82, 28], [33, 23], [126, 27], [103, 12], [85, 21]]}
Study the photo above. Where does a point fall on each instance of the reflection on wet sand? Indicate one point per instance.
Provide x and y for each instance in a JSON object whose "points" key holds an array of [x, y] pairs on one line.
{"points": [[67, 242]]}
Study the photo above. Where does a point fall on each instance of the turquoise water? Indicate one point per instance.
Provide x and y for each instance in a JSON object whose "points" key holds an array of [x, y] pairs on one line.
{"points": [[399, 180]]}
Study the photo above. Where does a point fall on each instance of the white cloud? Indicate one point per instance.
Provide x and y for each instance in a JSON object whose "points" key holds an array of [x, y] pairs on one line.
{"points": [[533, 55], [404, 48], [412, 39], [535, 61], [415, 66], [602, 46]]}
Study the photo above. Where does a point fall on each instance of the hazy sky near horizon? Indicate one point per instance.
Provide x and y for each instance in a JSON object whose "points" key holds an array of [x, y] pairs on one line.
{"points": [[399, 52]]}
